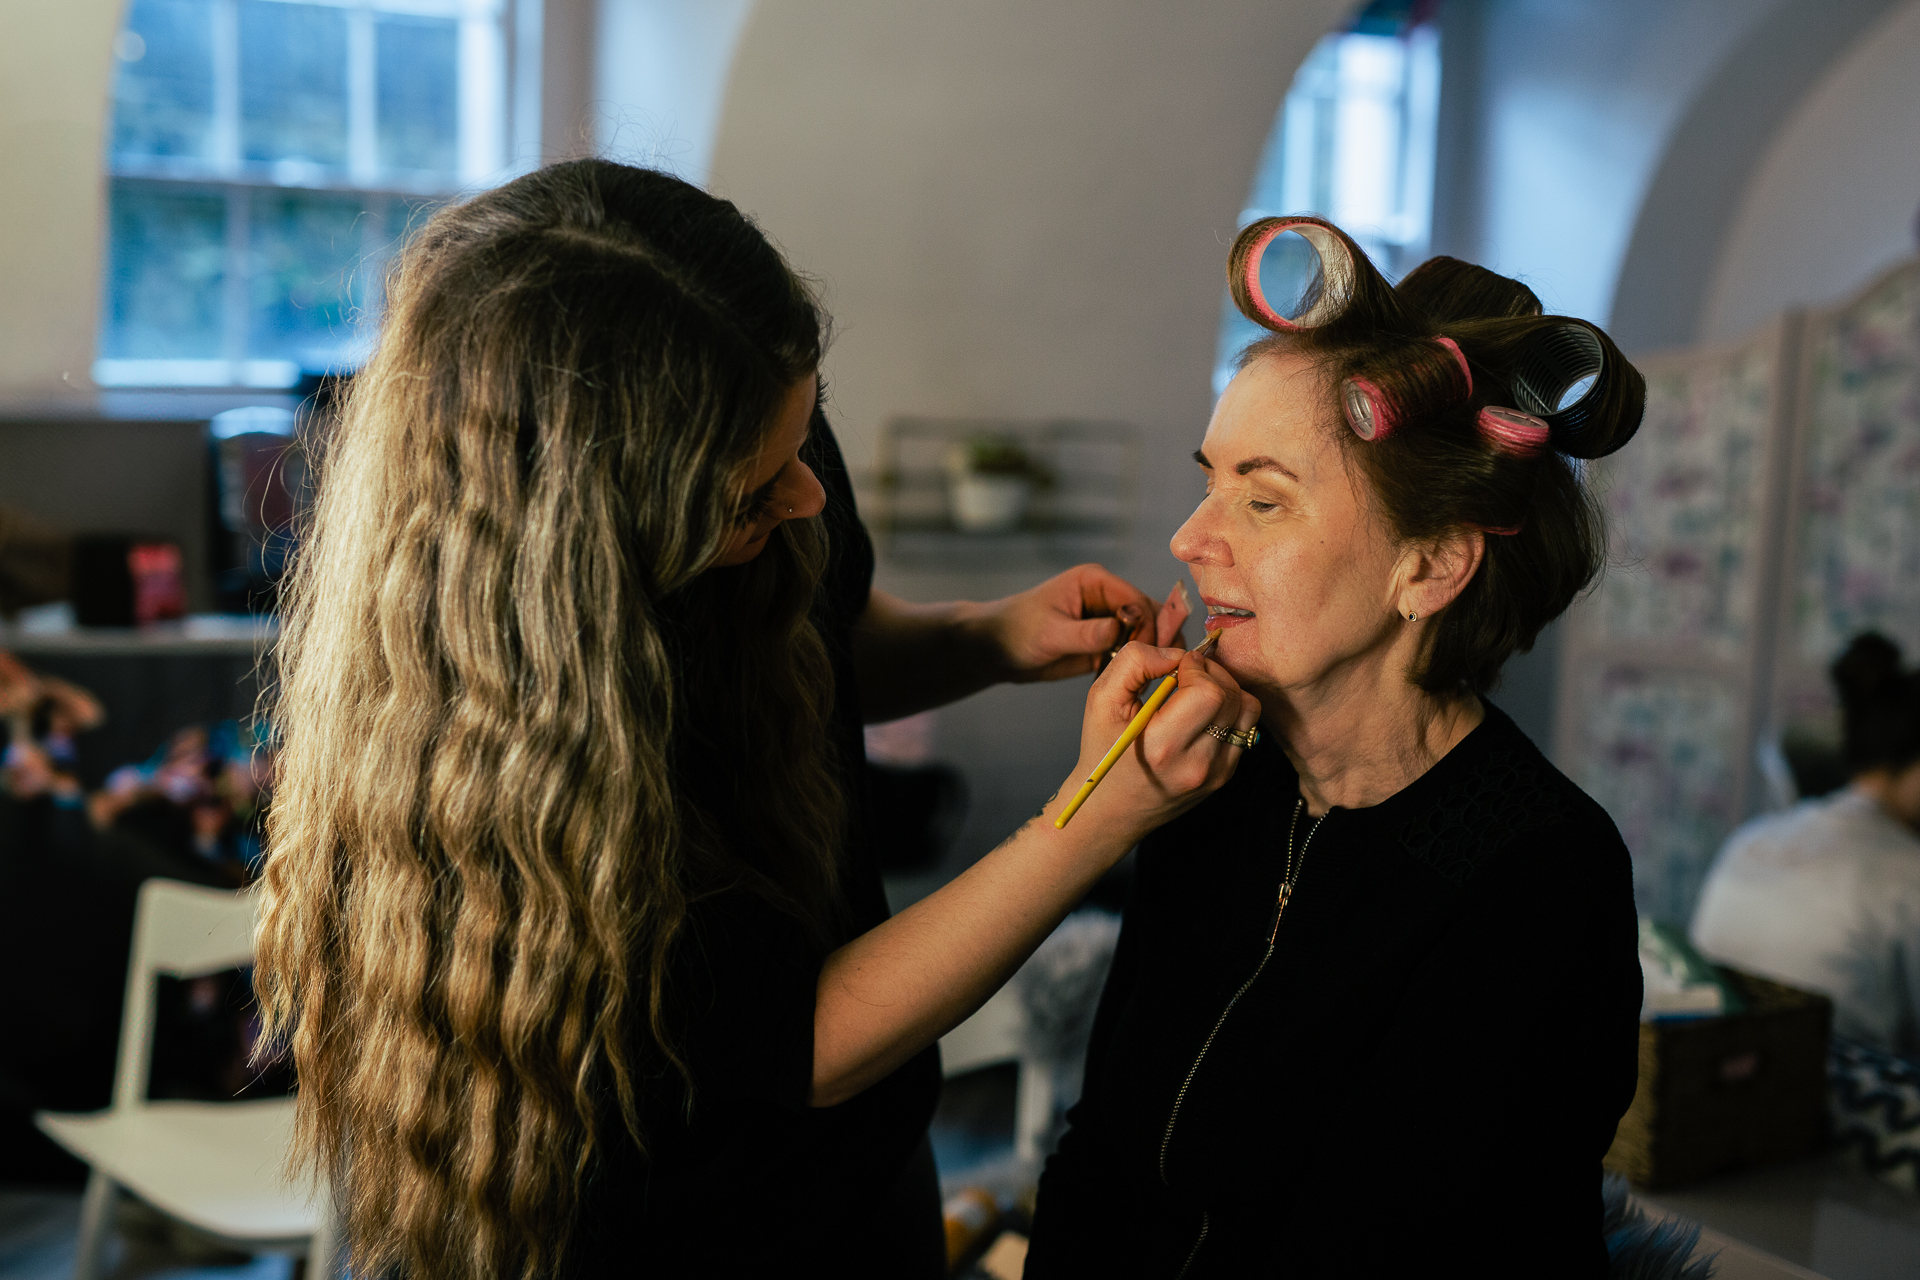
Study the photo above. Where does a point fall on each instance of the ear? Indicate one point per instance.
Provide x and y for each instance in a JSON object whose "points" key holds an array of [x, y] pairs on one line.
{"points": [[1431, 576]]}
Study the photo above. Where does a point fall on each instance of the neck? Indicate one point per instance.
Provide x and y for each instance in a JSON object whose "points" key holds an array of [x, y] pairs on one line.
{"points": [[1896, 792], [1357, 737]]}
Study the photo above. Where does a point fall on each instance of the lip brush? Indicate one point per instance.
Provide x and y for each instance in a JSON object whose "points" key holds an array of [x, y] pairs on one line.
{"points": [[1134, 729]]}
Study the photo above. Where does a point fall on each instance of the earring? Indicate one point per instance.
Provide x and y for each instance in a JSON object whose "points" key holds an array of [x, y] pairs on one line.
{"points": [[789, 510], [1413, 617]]}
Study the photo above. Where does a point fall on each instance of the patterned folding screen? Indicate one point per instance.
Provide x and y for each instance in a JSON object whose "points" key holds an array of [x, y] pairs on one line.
{"points": [[1768, 510], [1660, 662], [1854, 562]]}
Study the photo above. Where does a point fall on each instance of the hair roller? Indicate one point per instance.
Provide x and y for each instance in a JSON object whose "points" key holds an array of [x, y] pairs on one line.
{"points": [[1369, 412], [1459, 358], [1510, 431], [1559, 356], [1326, 294]]}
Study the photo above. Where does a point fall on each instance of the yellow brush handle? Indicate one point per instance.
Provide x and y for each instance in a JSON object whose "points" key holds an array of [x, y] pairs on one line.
{"points": [[1135, 727]]}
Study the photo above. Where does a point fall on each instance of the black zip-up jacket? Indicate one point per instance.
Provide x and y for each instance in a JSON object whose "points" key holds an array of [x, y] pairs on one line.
{"points": [[1423, 1075]]}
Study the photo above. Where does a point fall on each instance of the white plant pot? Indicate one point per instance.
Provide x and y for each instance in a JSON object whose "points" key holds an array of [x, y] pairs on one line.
{"points": [[989, 503]]}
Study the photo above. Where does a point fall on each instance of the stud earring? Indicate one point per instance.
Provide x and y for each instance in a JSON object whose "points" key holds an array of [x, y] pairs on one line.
{"points": [[1413, 617]]}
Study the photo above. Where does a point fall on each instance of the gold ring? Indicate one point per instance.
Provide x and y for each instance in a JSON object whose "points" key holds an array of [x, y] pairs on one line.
{"points": [[1241, 740]]}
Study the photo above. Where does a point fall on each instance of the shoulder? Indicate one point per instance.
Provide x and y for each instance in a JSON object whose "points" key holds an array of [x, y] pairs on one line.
{"points": [[1846, 826], [1502, 795]]}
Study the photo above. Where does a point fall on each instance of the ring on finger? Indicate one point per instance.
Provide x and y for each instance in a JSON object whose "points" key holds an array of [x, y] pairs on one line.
{"points": [[1241, 740]]}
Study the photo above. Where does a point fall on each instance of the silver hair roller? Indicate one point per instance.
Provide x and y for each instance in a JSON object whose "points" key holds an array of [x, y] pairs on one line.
{"points": [[1555, 362]]}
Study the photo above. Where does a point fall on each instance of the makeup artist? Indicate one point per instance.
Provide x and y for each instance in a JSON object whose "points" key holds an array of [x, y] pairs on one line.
{"points": [[570, 919], [1374, 1007]]}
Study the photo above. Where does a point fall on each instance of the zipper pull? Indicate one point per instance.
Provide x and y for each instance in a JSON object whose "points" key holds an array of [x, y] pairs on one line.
{"points": [[1279, 906]]}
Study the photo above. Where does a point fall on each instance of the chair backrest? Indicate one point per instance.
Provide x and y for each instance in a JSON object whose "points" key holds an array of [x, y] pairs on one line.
{"points": [[182, 931]]}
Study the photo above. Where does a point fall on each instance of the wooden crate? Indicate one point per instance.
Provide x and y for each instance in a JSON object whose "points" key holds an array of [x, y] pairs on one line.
{"points": [[1718, 1094]]}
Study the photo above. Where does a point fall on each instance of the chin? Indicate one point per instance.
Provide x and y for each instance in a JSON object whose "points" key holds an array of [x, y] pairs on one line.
{"points": [[745, 553]]}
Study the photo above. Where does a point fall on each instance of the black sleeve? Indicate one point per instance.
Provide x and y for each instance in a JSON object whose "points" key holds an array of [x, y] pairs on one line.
{"points": [[1077, 1222], [747, 980], [1507, 1064]]}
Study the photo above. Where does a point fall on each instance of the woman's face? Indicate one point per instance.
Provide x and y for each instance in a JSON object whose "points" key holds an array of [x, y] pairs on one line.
{"points": [[1294, 567], [781, 487]]}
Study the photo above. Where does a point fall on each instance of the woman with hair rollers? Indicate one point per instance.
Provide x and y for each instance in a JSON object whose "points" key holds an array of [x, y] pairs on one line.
{"points": [[1374, 1006], [569, 919]]}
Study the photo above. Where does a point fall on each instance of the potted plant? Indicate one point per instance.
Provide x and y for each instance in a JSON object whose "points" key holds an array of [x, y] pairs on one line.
{"points": [[991, 481]]}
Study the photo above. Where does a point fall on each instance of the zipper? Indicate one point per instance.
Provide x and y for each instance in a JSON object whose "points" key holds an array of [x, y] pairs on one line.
{"points": [[1288, 879], [1206, 1221], [1166, 1139]]}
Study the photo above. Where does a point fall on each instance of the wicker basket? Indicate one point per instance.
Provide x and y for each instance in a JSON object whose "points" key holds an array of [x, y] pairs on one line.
{"points": [[1718, 1094]]}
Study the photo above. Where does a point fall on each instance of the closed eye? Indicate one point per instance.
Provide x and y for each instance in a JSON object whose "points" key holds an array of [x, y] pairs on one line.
{"points": [[760, 500]]}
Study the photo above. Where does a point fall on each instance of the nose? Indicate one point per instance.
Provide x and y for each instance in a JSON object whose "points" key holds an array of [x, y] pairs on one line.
{"points": [[1195, 542], [802, 495]]}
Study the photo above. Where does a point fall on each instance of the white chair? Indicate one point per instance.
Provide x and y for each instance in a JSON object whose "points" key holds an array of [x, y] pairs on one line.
{"points": [[993, 1035], [218, 1166]]}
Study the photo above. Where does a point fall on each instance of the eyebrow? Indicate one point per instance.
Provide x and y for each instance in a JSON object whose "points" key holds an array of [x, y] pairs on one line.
{"points": [[1250, 465]]}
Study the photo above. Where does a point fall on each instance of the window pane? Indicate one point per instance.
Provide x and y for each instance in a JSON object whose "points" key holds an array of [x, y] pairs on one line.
{"points": [[293, 83], [165, 272], [309, 274], [163, 79], [418, 93]]}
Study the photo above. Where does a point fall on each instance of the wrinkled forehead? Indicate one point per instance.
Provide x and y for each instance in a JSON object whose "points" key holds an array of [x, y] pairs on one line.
{"points": [[1276, 407]]}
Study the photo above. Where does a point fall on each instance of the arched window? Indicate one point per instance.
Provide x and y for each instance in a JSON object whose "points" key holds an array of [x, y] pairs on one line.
{"points": [[263, 158], [1354, 143]]}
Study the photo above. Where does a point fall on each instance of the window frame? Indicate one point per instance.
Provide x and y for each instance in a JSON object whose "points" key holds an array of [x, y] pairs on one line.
{"points": [[496, 115]]}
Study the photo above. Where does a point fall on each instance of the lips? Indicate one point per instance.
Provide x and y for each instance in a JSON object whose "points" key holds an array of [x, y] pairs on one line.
{"points": [[1220, 615]]}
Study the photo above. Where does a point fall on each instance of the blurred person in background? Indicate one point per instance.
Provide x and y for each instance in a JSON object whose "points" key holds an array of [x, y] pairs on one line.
{"points": [[1826, 895]]}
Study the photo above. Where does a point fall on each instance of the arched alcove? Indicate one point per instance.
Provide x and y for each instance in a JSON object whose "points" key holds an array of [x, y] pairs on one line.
{"points": [[1691, 204], [1832, 200]]}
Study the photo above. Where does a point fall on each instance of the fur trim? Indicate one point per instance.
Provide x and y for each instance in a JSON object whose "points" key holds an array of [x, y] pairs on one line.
{"points": [[1643, 1248]]}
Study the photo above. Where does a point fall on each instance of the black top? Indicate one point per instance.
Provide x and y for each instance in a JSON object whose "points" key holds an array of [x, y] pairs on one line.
{"points": [[1425, 1071], [756, 1181]]}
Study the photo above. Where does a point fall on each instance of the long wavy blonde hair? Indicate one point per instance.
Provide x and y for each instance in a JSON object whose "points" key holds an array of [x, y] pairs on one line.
{"points": [[506, 676]]}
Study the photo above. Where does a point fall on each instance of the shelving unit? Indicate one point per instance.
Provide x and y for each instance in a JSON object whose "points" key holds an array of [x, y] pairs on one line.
{"points": [[1085, 514]]}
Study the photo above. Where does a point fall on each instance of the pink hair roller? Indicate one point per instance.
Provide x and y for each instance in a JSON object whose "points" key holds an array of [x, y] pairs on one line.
{"points": [[1510, 431], [1369, 413], [1459, 358], [1336, 269]]}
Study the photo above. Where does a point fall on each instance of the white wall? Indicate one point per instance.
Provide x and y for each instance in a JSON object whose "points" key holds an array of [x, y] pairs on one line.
{"points": [[55, 64], [1835, 198], [1557, 116], [1686, 216], [660, 77], [1015, 208]]}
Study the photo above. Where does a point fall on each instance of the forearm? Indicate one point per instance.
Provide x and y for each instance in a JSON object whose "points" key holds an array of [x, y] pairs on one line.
{"points": [[909, 657], [897, 988]]}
